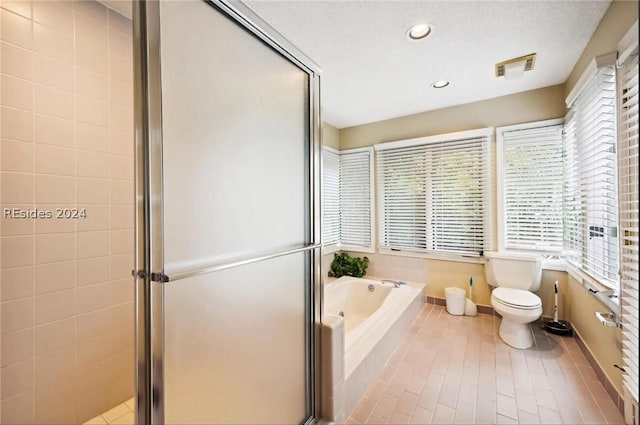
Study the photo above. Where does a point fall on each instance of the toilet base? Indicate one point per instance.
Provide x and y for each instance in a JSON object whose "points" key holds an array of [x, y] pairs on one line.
{"points": [[517, 335]]}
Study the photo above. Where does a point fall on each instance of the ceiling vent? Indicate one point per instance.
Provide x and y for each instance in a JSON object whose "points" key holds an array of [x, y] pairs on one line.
{"points": [[515, 67]]}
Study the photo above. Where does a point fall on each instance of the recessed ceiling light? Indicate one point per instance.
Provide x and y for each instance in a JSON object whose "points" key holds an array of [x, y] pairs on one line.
{"points": [[440, 84], [418, 32]]}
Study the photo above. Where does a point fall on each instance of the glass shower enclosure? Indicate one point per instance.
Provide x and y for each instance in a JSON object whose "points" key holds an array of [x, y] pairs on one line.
{"points": [[227, 236]]}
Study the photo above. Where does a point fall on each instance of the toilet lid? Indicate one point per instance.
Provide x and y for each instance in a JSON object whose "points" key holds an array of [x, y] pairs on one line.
{"points": [[516, 298]]}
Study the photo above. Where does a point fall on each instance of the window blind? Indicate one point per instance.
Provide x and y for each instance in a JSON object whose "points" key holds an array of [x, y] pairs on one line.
{"points": [[572, 205], [432, 195], [355, 198], [402, 198], [591, 180], [531, 183], [628, 216], [347, 197], [330, 197]]}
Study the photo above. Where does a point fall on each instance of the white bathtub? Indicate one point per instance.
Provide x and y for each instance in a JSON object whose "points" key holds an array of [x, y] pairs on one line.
{"points": [[368, 315]]}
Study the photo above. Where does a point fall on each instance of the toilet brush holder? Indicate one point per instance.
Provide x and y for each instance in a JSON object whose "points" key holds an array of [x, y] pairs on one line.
{"points": [[557, 327], [470, 308]]}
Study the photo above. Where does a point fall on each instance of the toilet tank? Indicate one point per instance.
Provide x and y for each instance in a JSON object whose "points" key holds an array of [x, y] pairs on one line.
{"points": [[513, 270]]}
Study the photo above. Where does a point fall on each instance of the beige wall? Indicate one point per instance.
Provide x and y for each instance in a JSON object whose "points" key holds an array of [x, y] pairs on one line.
{"points": [[575, 303], [66, 141], [534, 105], [603, 342], [613, 26], [330, 136]]}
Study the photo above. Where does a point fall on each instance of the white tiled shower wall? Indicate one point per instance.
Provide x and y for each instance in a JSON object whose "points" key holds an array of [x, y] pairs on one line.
{"points": [[66, 130]]}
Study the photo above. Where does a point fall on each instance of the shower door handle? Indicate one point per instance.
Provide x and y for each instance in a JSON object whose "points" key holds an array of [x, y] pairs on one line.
{"points": [[163, 278]]}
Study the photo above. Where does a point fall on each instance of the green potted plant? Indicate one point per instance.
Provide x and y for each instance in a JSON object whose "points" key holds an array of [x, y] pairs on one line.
{"points": [[345, 265]]}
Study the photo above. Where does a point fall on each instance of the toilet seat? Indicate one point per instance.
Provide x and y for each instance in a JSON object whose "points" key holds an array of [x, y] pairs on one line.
{"points": [[516, 298]]}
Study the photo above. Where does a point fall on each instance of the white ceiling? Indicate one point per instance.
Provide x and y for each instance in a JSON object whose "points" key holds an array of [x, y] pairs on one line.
{"points": [[371, 72]]}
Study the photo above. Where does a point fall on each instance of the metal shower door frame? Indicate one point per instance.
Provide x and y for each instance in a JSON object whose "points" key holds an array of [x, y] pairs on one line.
{"points": [[149, 275]]}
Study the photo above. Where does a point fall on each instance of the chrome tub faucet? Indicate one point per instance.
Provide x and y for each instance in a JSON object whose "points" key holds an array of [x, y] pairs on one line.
{"points": [[395, 283]]}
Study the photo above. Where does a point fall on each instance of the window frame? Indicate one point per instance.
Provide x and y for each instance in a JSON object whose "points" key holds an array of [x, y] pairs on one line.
{"points": [[372, 201], [332, 246], [628, 210], [339, 245], [576, 264], [487, 195], [500, 182]]}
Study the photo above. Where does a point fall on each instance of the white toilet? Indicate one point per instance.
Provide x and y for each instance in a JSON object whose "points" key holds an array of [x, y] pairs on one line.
{"points": [[514, 276]]}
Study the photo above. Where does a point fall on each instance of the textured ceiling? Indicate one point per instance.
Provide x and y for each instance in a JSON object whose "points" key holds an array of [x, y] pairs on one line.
{"points": [[371, 72]]}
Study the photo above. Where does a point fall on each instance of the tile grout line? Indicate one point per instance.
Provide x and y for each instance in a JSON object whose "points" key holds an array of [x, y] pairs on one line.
{"points": [[543, 410]]}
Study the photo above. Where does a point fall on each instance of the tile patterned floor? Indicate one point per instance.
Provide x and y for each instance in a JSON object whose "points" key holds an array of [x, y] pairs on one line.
{"points": [[456, 370], [122, 414]]}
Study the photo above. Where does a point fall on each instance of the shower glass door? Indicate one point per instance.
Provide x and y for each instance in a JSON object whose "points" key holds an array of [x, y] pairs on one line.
{"points": [[227, 218]]}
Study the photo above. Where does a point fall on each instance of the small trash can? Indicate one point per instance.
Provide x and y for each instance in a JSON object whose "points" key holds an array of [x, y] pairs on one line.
{"points": [[455, 298]]}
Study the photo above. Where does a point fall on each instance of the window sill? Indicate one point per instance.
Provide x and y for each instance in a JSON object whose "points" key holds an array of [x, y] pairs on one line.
{"points": [[432, 256], [604, 294], [330, 249], [362, 249], [557, 265]]}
